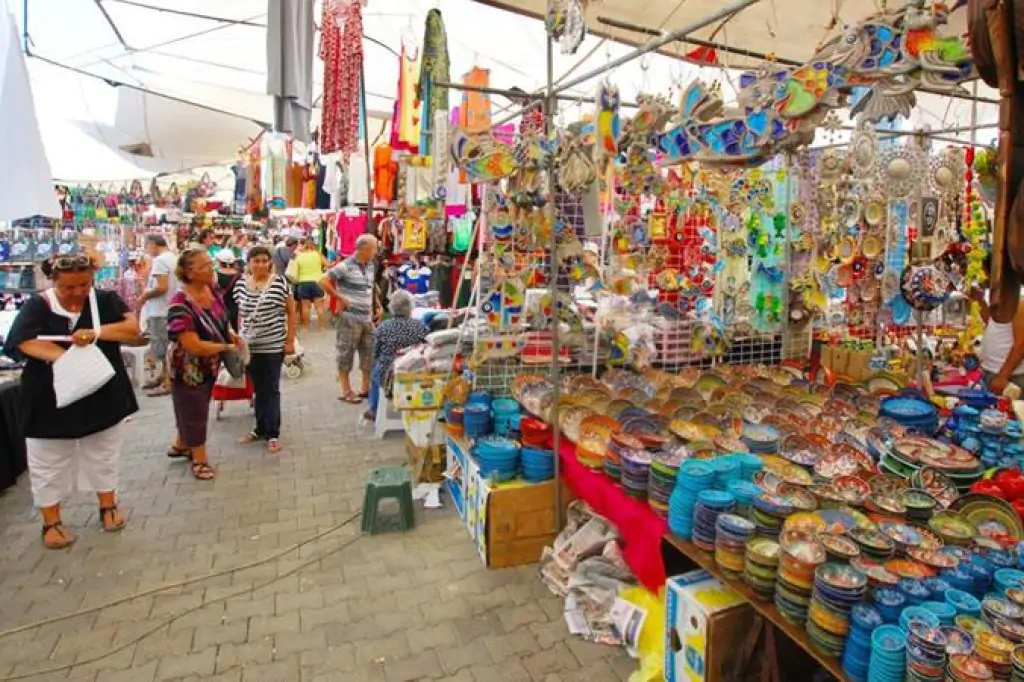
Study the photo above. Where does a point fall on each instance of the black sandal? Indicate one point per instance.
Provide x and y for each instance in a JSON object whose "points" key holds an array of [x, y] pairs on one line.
{"points": [[104, 511], [179, 453], [67, 540], [202, 471]]}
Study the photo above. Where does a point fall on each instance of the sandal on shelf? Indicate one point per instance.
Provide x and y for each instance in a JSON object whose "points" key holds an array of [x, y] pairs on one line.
{"points": [[250, 438], [111, 520], [65, 538], [273, 445], [350, 398], [202, 471], [179, 453]]}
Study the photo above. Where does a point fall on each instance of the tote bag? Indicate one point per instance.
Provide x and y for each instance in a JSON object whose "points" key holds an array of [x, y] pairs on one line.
{"points": [[82, 370]]}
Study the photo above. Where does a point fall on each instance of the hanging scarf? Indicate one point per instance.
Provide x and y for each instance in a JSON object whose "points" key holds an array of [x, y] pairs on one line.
{"points": [[434, 68]]}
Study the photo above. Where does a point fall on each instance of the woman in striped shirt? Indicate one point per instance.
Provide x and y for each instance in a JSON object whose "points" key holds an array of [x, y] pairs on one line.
{"points": [[266, 312]]}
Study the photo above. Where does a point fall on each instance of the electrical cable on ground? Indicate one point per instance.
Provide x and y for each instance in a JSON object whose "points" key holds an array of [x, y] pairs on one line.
{"points": [[184, 583]]}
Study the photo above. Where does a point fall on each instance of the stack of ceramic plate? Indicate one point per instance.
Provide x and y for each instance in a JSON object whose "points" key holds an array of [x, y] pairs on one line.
{"points": [[1017, 663], [505, 416], [694, 477], [945, 612], [926, 653], [1007, 578], [476, 420], [731, 535], [497, 456], [750, 464], [839, 547], [726, 469], [888, 654], [920, 505], [937, 589], [710, 504], [761, 567], [873, 544], [915, 591], [800, 556], [864, 620], [964, 603], [538, 464], [662, 479], [911, 413], [837, 588], [1010, 629], [964, 668], [761, 438], [744, 492], [636, 471], [952, 527], [769, 513], [996, 652], [889, 602], [617, 444], [994, 609], [918, 616]]}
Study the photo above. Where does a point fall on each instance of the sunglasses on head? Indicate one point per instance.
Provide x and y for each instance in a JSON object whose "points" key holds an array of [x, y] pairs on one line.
{"points": [[68, 263]]}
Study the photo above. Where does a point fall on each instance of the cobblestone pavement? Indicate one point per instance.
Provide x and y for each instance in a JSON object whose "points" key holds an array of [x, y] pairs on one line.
{"points": [[392, 607]]}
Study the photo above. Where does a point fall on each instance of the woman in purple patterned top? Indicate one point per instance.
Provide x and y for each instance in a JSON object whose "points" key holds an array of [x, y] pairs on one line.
{"points": [[198, 328]]}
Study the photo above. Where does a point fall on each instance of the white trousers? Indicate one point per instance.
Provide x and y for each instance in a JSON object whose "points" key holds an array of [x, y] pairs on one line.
{"points": [[59, 467]]}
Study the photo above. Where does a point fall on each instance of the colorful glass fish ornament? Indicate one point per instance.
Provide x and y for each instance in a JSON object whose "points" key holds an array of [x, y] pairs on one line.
{"points": [[609, 124]]}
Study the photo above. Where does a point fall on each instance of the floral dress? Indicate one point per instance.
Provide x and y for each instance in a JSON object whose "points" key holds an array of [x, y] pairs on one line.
{"points": [[211, 324]]}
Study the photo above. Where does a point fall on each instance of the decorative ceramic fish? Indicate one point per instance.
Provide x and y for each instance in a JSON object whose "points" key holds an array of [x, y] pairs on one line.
{"points": [[482, 158], [890, 54], [608, 125]]}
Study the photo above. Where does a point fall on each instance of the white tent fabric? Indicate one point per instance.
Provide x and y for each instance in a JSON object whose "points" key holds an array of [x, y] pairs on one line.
{"points": [[25, 186], [167, 47]]}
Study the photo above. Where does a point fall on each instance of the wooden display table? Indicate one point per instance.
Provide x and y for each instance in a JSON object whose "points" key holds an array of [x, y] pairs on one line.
{"points": [[681, 555]]}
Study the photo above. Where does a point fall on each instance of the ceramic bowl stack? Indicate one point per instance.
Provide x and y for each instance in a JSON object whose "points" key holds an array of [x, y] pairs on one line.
{"points": [[1017, 664], [937, 589], [964, 668], [497, 456], [761, 438], [662, 479], [476, 420], [920, 506], [505, 416], [926, 653], [965, 604], [996, 652], [946, 613], [915, 591], [535, 433], [889, 602], [912, 413], [636, 471], [769, 513], [732, 533], [952, 527], [750, 464], [837, 589], [744, 492], [694, 477], [727, 469], [538, 464], [1006, 579], [617, 444], [873, 544], [995, 609], [864, 620], [710, 504], [800, 556], [761, 566], [888, 654]]}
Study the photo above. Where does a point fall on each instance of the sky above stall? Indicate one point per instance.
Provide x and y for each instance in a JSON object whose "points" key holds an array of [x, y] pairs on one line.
{"points": [[88, 120]]}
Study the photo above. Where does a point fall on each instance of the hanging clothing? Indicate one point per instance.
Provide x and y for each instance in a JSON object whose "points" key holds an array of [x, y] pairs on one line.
{"points": [[253, 188], [309, 183], [358, 192], [405, 124], [290, 65], [335, 182], [274, 171], [384, 172], [434, 68], [342, 53], [349, 229], [241, 185], [323, 197], [476, 106]]}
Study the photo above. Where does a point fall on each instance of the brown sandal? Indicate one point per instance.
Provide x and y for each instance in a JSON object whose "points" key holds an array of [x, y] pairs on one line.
{"points": [[179, 453], [66, 538], [202, 471], [117, 520]]}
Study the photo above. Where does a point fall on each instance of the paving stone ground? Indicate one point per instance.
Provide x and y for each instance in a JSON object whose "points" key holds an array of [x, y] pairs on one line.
{"points": [[392, 608]]}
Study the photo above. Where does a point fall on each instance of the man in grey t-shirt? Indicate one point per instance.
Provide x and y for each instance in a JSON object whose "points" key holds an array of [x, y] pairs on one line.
{"points": [[351, 284], [152, 308], [283, 254]]}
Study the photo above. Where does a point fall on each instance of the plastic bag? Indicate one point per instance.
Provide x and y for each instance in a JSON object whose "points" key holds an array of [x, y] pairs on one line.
{"points": [[650, 646]]}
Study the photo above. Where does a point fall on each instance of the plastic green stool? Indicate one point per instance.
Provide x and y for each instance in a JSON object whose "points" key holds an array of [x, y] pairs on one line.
{"points": [[388, 482]]}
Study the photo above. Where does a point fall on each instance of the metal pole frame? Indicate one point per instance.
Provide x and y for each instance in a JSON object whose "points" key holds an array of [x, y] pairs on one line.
{"points": [[550, 108], [371, 228]]}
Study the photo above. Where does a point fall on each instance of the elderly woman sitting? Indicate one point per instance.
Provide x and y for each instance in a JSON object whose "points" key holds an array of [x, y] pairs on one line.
{"points": [[392, 337]]}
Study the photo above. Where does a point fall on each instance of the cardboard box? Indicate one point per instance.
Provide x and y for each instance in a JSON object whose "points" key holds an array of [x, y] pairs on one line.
{"points": [[426, 463], [510, 523], [706, 623]]}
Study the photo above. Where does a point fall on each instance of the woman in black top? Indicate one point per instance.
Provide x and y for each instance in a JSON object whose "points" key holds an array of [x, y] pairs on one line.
{"points": [[84, 438], [227, 276]]}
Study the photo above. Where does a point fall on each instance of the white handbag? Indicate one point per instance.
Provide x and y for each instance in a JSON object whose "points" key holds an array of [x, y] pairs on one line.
{"points": [[82, 370]]}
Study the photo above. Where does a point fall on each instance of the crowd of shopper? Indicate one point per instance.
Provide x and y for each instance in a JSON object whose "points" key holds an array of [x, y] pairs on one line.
{"points": [[210, 317]]}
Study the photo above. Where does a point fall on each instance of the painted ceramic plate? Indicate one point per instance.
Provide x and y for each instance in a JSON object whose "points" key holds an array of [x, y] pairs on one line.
{"points": [[840, 546], [909, 569], [990, 515], [952, 525]]}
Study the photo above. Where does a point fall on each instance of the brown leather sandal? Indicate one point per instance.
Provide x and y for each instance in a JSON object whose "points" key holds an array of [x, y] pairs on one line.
{"points": [[66, 538], [110, 520]]}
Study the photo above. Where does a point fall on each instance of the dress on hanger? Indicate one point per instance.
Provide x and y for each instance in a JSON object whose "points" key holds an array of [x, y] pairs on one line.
{"points": [[476, 106], [342, 53], [384, 172], [405, 125]]}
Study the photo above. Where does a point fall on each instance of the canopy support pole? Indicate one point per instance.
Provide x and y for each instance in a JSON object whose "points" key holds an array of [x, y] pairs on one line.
{"points": [[24, 26], [550, 108], [514, 96], [370, 227]]}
